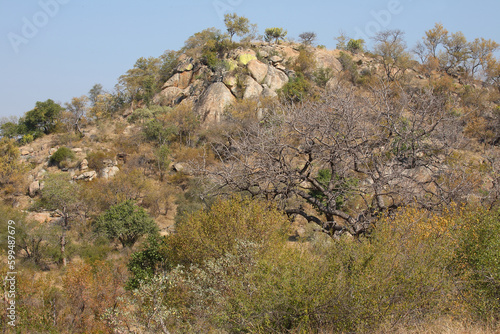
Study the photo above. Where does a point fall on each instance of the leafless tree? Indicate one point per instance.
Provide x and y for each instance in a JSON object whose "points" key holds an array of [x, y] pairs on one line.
{"points": [[307, 38], [350, 155]]}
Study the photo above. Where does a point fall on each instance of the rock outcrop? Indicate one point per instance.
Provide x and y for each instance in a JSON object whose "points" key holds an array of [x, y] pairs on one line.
{"points": [[248, 73], [213, 102], [257, 70]]}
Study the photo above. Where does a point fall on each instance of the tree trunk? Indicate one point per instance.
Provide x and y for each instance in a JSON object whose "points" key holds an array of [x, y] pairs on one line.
{"points": [[63, 238]]}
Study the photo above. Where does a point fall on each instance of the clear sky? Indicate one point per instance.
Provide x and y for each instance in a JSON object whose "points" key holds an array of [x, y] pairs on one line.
{"points": [[59, 49]]}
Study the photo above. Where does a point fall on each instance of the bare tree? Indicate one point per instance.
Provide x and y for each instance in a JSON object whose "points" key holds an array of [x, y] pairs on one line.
{"points": [[307, 38], [77, 111], [350, 157]]}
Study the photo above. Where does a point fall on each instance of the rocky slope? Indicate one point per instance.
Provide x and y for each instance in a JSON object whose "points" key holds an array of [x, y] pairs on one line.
{"points": [[245, 73]]}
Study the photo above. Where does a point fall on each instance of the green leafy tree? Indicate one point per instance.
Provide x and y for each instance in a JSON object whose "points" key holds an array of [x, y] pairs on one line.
{"points": [[94, 93], [125, 222], [42, 119], [276, 34], [151, 260], [157, 131], [236, 25], [195, 44], [9, 127], [169, 61], [142, 81], [355, 45]]}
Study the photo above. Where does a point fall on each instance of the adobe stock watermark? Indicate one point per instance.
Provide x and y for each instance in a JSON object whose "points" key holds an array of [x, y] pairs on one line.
{"points": [[225, 6], [31, 25], [11, 278], [381, 19]]}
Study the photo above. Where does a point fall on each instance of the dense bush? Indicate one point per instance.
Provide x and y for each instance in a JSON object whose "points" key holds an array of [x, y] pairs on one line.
{"points": [[125, 222], [235, 279], [213, 233], [42, 119], [296, 89], [478, 258], [62, 157], [355, 45]]}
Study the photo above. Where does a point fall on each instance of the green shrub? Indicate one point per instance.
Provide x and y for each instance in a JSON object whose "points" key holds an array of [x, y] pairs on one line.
{"points": [[149, 261], [62, 157], [355, 45], [296, 89], [125, 222], [305, 62], [159, 132], [225, 270], [322, 76], [26, 139], [349, 67]]}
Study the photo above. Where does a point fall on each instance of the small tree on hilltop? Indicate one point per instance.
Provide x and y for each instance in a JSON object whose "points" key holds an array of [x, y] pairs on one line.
{"points": [[355, 45], [307, 38], [42, 119], [275, 33], [125, 222], [236, 25]]}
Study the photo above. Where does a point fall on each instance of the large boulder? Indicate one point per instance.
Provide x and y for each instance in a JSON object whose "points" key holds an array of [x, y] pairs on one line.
{"points": [[170, 95], [173, 81], [185, 64], [109, 172], [34, 188], [252, 89], [84, 165], [257, 70], [245, 56], [185, 79], [213, 102], [328, 59], [267, 92], [39, 217], [275, 78], [87, 176]]}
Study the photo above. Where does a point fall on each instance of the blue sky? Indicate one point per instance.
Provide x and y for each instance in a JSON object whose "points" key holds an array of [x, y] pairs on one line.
{"points": [[59, 49]]}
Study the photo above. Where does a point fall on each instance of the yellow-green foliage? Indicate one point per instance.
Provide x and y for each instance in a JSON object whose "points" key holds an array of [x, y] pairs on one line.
{"points": [[213, 233], [245, 58]]}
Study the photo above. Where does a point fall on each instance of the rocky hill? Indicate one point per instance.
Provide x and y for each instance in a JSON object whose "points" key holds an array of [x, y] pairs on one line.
{"points": [[218, 182]]}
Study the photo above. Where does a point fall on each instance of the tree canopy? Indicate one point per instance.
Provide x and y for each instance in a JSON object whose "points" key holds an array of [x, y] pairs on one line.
{"points": [[125, 222]]}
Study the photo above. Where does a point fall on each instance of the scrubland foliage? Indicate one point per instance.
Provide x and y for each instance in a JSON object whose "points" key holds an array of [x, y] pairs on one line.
{"points": [[365, 200]]}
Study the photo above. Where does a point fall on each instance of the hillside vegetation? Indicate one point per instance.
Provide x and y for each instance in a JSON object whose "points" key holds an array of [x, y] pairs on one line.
{"points": [[262, 185]]}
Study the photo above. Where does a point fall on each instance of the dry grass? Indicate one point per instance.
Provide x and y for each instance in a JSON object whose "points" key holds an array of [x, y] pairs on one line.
{"points": [[441, 326]]}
